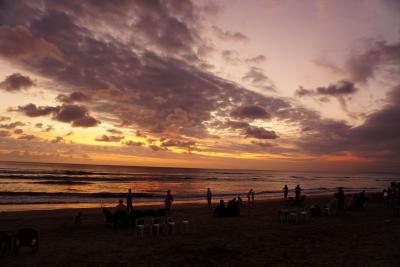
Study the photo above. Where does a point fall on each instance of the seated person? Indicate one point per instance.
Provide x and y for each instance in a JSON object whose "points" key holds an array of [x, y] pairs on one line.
{"points": [[233, 208], [220, 210], [121, 206]]}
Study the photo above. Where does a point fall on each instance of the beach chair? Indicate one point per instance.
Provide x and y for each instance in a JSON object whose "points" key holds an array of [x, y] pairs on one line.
{"points": [[139, 226], [292, 217], [185, 224], [171, 225], [283, 216], [160, 225], [303, 216]]}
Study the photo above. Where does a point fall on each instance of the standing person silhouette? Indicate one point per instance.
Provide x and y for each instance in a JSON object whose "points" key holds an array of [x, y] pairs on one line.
{"points": [[250, 197], [168, 201], [129, 201], [285, 191], [297, 192], [209, 197]]}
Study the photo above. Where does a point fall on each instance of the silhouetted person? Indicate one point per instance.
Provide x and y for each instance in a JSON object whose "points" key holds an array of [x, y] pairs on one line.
{"points": [[220, 209], [129, 201], [297, 192], [209, 197], [285, 191], [121, 206], [168, 201], [250, 197], [341, 198]]}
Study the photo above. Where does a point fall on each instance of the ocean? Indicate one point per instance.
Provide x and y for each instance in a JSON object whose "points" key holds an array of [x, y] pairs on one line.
{"points": [[36, 186]]}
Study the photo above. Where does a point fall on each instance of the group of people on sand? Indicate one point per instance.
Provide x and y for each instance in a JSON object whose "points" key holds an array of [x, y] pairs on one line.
{"points": [[298, 197], [169, 199], [232, 209]]}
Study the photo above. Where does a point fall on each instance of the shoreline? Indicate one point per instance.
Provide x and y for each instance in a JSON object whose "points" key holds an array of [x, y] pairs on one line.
{"points": [[14, 207], [179, 204]]}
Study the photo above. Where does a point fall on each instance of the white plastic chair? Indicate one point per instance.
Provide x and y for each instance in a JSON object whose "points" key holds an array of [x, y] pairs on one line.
{"points": [[159, 224], [185, 223], [171, 225], [304, 216], [292, 217], [139, 225]]}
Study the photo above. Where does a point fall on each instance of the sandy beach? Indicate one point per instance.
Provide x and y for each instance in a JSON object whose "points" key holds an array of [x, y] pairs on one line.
{"points": [[256, 238]]}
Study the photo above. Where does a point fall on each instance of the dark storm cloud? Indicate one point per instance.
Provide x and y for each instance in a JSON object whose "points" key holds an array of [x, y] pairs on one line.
{"points": [[363, 65], [109, 138], [250, 131], [12, 125], [378, 136], [78, 116], [73, 97], [339, 89], [130, 75], [260, 133], [16, 82], [31, 110], [228, 35], [250, 112]]}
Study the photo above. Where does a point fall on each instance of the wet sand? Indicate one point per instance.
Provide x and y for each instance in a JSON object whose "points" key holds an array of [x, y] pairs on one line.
{"points": [[256, 238]]}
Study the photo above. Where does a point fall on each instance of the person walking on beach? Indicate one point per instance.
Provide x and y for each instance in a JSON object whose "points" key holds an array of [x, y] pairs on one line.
{"points": [[285, 191], [209, 197], [168, 201], [129, 201]]}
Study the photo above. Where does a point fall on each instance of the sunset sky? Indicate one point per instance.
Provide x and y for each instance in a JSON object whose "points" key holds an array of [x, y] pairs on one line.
{"points": [[288, 85]]}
